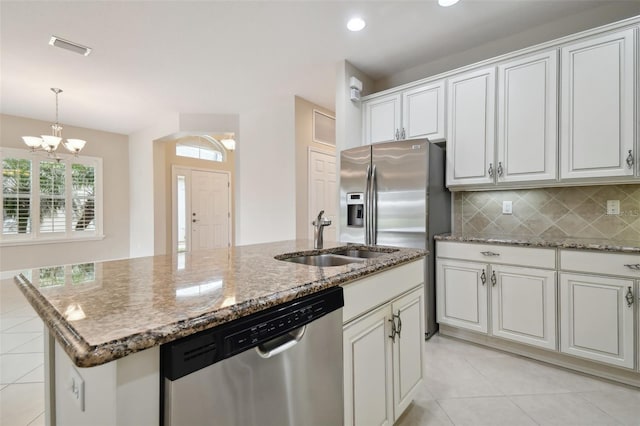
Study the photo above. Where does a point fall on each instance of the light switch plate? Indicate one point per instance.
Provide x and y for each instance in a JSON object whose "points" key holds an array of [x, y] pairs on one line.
{"points": [[507, 207], [613, 207]]}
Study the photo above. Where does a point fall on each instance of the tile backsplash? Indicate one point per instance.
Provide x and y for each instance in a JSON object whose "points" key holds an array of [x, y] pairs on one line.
{"points": [[551, 212]]}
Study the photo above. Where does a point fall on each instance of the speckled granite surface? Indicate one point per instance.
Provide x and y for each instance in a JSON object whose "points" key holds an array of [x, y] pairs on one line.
{"points": [[134, 304], [566, 243]]}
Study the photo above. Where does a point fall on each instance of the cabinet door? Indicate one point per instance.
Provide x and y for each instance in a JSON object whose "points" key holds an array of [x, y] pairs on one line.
{"points": [[461, 293], [470, 129], [597, 109], [423, 112], [382, 119], [596, 320], [368, 389], [524, 305], [408, 314], [527, 119]]}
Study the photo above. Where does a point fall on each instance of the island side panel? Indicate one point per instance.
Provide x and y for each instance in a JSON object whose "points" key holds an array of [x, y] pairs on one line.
{"points": [[123, 392]]}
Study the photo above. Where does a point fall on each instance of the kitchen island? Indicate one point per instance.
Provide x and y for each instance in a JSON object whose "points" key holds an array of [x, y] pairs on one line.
{"points": [[115, 321]]}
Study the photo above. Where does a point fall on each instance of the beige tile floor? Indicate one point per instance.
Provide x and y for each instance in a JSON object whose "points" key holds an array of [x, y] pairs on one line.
{"points": [[465, 384], [21, 360]]}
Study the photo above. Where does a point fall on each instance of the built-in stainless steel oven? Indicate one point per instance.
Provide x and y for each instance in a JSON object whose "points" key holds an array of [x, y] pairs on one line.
{"points": [[281, 366]]}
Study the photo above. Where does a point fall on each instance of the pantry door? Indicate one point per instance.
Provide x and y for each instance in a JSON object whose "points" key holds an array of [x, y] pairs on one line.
{"points": [[323, 191], [203, 210]]}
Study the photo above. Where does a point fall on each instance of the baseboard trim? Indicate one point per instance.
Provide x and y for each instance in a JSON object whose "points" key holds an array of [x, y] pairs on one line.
{"points": [[616, 374]]}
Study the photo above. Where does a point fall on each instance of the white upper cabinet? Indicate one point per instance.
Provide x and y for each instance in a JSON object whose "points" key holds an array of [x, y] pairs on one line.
{"points": [[597, 107], [527, 119], [382, 119], [414, 113], [423, 112], [470, 128]]}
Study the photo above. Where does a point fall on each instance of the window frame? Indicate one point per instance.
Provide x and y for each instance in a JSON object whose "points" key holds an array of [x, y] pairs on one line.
{"points": [[69, 235]]}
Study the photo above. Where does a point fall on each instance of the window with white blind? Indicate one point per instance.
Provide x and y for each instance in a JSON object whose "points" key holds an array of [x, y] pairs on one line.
{"points": [[47, 199]]}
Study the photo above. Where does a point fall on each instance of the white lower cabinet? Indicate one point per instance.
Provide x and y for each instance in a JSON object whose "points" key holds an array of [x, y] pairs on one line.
{"points": [[597, 319], [382, 346], [368, 371], [462, 294], [523, 305]]}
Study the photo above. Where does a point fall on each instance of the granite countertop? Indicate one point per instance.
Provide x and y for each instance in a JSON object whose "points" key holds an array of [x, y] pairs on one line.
{"points": [[565, 243], [124, 306]]}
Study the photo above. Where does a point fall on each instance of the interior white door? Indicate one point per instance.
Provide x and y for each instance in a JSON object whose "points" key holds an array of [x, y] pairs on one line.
{"points": [[322, 191], [210, 212], [596, 318]]}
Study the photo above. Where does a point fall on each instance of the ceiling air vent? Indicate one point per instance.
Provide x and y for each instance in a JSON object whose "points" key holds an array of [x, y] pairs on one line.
{"points": [[69, 45]]}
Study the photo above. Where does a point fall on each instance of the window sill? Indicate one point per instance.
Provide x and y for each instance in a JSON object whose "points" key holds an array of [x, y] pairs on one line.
{"points": [[56, 240]]}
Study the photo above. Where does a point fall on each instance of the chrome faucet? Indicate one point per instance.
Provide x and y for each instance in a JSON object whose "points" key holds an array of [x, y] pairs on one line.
{"points": [[318, 227]]}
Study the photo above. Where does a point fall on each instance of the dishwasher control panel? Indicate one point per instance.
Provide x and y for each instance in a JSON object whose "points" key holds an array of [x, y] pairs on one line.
{"points": [[271, 328], [189, 354]]}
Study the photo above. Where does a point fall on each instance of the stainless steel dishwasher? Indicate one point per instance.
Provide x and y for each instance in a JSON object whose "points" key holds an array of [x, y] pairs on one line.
{"points": [[281, 366]]}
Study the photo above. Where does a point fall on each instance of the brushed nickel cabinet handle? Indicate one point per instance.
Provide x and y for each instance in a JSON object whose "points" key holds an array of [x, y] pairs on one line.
{"points": [[500, 170], [490, 171], [630, 160], [397, 134], [494, 280], [399, 327], [483, 278], [489, 253], [629, 297], [393, 330], [403, 134], [634, 266]]}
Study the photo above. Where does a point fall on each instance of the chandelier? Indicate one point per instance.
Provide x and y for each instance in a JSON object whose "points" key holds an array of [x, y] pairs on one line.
{"points": [[50, 143]]}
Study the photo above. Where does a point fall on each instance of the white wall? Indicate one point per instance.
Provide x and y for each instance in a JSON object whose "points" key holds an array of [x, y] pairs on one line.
{"points": [[113, 150], [551, 30], [141, 188], [348, 112], [265, 170]]}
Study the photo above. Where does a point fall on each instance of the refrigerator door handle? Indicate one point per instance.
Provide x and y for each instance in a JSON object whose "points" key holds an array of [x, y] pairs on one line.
{"points": [[374, 206], [367, 207]]}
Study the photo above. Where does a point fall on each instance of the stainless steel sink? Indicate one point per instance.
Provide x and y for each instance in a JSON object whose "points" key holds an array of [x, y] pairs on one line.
{"points": [[362, 254], [328, 259]]}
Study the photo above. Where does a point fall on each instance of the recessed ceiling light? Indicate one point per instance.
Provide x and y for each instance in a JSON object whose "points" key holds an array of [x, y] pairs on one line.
{"points": [[69, 45], [356, 24], [447, 3]]}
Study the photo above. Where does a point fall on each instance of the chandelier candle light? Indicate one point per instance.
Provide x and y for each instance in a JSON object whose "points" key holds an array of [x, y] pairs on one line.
{"points": [[50, 143]]}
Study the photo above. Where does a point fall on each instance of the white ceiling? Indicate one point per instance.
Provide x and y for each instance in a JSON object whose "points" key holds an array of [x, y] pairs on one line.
{"points": [[151, 58]]}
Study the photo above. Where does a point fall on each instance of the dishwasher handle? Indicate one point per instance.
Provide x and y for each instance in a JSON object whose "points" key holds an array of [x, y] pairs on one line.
{"points": [[280, 344]]}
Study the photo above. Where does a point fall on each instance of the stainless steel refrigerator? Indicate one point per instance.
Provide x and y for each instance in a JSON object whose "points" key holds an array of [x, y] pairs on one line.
{"points": [[394, 194]]}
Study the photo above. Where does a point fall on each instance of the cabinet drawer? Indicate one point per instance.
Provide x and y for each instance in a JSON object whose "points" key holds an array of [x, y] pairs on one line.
{"points": [[600, 263], [491, 253], [363, 295]]}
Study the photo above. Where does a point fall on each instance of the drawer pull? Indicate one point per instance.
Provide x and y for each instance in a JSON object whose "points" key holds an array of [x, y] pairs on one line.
{"points": [[629, 297], [490, 253], [483, 278], [634, 266], [494, 280]]}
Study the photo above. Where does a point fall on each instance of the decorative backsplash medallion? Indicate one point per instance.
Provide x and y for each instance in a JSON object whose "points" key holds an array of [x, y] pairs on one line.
{"points": [[578, 212]]}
